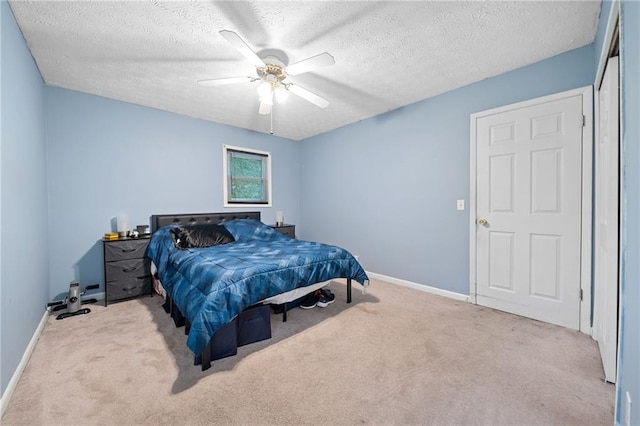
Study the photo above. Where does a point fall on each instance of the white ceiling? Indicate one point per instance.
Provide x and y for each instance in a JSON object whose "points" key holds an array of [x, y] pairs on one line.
{"points": [[388, 54]]}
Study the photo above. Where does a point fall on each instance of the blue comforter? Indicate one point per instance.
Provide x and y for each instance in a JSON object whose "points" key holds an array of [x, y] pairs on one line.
{"points": [[212, 285]]}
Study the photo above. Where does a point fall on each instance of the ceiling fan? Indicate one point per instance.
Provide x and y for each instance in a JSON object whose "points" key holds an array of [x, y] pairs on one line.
{"points": [[273, 73]]}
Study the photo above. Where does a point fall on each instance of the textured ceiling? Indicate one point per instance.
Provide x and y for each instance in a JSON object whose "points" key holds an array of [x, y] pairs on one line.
{"points": [[387, 54]]}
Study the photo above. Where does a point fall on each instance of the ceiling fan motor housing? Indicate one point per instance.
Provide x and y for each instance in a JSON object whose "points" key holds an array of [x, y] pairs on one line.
{"points": [[272, 72]]}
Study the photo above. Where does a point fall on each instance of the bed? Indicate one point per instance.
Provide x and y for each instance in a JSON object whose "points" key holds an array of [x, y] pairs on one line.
{"points": [[211, 285]]}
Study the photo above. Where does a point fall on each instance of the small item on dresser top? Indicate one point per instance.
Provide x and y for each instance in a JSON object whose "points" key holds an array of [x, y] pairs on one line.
{"points": [[142, 229], [279, 218], [111, 236], [134, 234], [122, 225]]}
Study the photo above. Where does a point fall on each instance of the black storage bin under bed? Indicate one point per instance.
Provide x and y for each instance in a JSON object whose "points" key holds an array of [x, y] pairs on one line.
{"points": [[250, 326]]}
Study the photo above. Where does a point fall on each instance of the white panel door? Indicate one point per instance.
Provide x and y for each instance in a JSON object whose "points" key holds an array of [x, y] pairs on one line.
{"points": [[528, 207], [605, 315]]}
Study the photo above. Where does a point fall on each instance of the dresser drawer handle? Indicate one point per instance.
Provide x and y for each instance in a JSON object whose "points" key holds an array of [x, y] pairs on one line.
{"points": [[129, 269], [128, 250]]}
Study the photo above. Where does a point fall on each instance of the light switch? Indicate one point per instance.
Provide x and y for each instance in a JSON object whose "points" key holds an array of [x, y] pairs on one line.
{"points": [[460, 204]]}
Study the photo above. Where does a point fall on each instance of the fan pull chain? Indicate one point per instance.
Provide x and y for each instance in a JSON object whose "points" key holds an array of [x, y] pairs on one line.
{"points": [[271, 118]]}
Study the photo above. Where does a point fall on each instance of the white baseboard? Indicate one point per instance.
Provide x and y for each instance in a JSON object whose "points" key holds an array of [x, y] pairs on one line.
{"points": [[420, 287], [6, 396]]}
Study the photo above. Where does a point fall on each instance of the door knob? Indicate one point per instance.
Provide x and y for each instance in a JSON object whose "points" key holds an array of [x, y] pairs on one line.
{"points": [[482, 222]]}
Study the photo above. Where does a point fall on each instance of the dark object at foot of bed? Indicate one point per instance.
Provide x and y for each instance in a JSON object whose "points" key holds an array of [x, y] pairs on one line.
{"points": [[224, 343], [250, 326]]}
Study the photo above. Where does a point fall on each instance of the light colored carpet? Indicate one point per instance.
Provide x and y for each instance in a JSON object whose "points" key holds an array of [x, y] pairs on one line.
{"points": [[393, 356]]}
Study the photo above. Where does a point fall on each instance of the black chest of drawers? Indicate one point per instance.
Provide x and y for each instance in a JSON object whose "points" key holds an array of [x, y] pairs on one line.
{"points": [[127, 272], [288, 230]]}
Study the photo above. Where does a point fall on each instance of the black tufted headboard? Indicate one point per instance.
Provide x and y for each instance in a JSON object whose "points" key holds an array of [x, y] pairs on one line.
{"points": [[160, 220]]}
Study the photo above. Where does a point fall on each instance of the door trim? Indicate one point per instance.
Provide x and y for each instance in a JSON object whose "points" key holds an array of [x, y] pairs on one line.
{"points": [[587, 195]]}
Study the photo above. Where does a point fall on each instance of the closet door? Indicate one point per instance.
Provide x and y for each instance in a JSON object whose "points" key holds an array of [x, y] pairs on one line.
{"points": [[607, 166]]}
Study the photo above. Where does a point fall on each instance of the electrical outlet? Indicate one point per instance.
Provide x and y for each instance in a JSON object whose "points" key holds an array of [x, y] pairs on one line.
{"points": [[627, 410], [460, 205]]}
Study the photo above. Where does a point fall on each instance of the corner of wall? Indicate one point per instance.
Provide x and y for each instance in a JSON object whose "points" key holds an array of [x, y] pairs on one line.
{"points": [[13, 383]]}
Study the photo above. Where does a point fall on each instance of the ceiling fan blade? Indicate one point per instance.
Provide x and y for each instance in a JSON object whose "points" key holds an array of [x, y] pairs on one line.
{"points": [[265, 108], [308, 96], [310, 64], [242, 47], [223, 81]]}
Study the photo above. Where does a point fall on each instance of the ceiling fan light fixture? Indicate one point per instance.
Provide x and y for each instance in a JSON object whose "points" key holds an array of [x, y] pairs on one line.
{"points": [[267, 99], [281, 93], [264, 89]]}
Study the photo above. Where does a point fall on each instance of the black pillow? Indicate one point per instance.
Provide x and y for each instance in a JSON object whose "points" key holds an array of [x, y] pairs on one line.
{"points": [[195, 236]]}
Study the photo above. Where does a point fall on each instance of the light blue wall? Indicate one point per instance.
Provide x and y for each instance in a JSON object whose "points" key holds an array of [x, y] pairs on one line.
{"points": [[24, 273], [386, 188], [108, 158], [629, 356]]}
